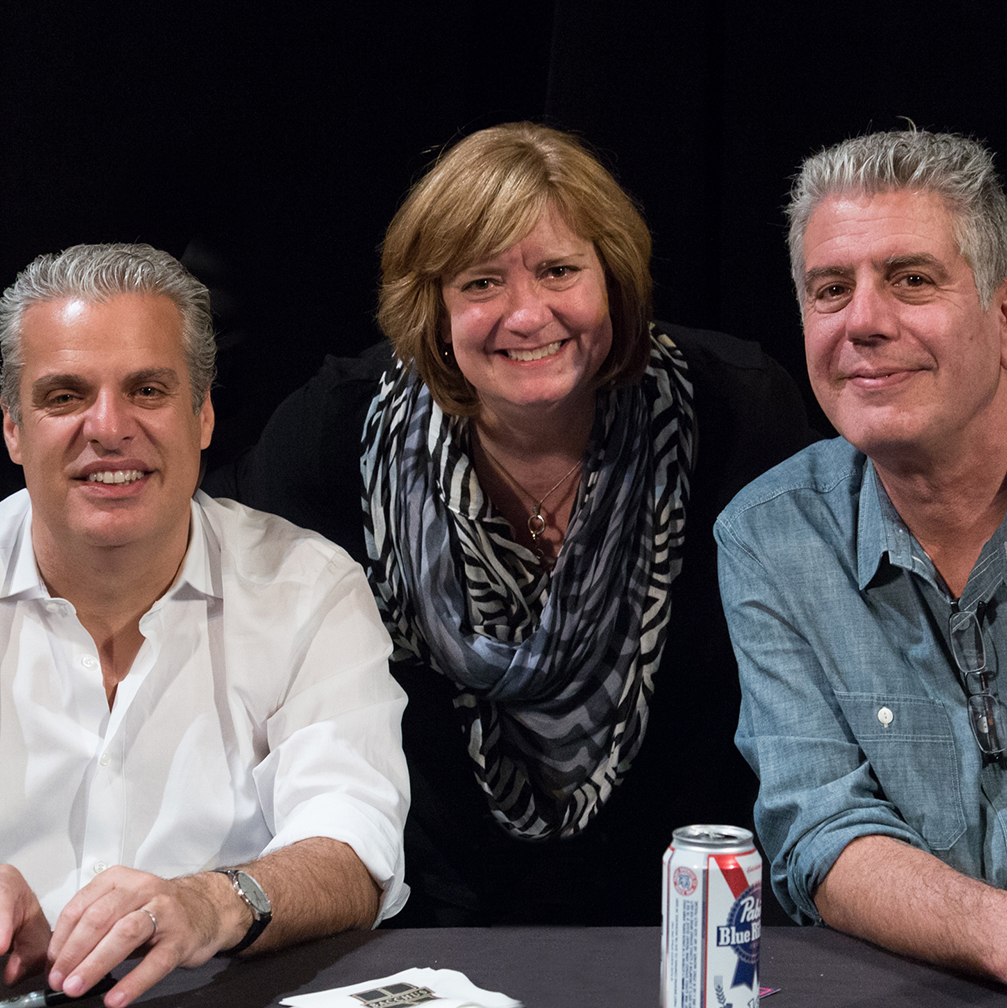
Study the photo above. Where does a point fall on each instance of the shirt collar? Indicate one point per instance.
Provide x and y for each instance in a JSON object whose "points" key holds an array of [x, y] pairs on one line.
{"points": [[872, 538], [988, 573], [201, 569], [21, 576], [881, 530]]}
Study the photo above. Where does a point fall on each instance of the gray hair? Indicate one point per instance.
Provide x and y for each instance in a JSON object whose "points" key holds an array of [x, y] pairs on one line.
{"points": [[97, 273], [956, 168]]}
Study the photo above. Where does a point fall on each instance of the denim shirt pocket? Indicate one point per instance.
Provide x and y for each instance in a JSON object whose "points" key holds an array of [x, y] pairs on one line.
{"points": [[910, 745]]}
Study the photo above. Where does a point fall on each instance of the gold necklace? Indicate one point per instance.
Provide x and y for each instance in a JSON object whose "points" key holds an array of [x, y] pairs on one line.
{"points": [[536, 523]]}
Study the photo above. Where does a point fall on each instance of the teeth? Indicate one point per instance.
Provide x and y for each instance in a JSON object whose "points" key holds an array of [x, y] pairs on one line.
{"points": [[116, 476], [530, 355]]}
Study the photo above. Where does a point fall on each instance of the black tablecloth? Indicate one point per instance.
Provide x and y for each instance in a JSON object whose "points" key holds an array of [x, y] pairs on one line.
{"points": [[572, 968]]}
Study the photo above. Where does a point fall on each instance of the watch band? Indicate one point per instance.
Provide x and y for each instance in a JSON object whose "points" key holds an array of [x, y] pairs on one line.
{"points": [[255, 899]]}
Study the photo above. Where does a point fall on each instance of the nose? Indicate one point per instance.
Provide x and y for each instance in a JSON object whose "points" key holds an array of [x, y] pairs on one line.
{"points": [[868, 316], [527, 309], [108, 422]]}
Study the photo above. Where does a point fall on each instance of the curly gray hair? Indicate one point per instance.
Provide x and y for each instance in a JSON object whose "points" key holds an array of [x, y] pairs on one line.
{"points": [[96, 273]]}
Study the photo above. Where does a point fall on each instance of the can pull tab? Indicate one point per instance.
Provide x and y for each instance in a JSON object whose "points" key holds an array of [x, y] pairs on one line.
{"points": [[885, 716]]}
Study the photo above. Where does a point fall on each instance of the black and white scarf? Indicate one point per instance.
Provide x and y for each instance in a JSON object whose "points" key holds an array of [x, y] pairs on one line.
{"points": [[555, 671]]}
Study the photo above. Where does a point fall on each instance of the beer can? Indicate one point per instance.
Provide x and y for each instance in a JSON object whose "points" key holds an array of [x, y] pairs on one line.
{"points": [[712, 919]]}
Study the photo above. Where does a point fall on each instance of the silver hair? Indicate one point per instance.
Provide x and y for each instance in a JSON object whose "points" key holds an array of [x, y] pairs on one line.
{"points": [[956, 168], [97, 273]]}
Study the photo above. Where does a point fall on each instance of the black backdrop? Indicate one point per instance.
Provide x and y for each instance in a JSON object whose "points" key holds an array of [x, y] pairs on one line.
{"points": [[270, 144]]}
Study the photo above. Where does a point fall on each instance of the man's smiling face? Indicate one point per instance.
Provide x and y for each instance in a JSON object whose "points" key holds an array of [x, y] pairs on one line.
{"points": [[108, 440], [902, 356]]}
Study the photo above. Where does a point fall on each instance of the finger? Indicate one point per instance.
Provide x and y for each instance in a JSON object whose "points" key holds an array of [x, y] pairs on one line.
{"points": [[20, 963], [154, 966], [14, 969], [92, 914], [94, 892], [28, 949], [106, 928], [24, 931], [125, 936]]}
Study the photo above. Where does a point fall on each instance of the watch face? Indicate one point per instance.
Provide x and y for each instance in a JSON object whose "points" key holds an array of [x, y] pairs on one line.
{"points": [[253, 893]]}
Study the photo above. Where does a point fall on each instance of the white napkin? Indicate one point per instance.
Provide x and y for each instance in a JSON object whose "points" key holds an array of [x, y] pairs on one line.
{"points": [[438, 988]]}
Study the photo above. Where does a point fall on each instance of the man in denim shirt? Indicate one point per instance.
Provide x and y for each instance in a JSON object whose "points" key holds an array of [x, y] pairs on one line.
{"points": [[862, 578]]}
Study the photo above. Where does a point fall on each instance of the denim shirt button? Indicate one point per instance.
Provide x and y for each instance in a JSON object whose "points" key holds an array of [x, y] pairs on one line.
{"points": [[885, 716]]}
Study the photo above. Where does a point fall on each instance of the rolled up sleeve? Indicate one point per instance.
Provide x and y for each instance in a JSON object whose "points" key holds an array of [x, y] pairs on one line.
{"points": [[782, 593], [335, 766]]}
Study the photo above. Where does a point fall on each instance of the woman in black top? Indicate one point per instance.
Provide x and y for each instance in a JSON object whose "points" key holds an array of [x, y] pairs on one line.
{"points": [[539, 465]]}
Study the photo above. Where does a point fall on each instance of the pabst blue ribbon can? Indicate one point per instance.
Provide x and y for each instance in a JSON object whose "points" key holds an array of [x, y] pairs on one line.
{"points": [[712, 919]]}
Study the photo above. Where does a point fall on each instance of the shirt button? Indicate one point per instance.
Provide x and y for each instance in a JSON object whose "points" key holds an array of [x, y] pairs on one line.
{"points": [[89, 662], [52, 606], [99, 867], [105, 759], [885, 716]]}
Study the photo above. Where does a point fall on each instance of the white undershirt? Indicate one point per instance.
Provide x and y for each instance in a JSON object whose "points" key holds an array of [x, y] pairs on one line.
{"points": [[259, 711]]}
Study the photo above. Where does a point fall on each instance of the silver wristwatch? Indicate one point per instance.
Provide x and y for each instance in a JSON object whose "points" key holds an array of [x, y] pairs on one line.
{"points": [[257, 901]]}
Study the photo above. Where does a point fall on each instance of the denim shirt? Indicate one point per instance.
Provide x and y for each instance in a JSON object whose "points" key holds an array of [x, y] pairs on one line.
{"points": [[853, 714]]}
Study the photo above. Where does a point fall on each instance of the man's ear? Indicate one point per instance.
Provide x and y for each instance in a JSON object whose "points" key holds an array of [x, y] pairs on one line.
{"points": [[11, 434], [1000, 307], [206, 422]]}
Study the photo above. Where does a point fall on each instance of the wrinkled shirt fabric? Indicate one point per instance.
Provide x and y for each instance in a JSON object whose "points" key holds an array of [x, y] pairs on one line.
{"points": [[259, 711], [854, 714]]}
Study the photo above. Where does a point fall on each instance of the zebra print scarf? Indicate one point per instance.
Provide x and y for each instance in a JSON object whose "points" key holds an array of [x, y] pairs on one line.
{"points": [[555, 672]]}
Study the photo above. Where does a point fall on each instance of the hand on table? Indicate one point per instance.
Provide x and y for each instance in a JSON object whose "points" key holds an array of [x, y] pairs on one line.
{"points": [[317, 886], [24, 931], [115, 914]]}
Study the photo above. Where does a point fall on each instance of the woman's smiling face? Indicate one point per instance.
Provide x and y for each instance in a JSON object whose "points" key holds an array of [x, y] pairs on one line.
{"points": [[530, 327]]}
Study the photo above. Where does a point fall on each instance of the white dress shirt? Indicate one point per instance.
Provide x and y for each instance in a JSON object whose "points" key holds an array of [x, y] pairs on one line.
{"points": [[259, 711]]}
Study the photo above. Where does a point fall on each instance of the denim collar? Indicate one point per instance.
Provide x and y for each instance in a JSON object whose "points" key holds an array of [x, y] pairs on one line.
{"points": [[881, 531]]}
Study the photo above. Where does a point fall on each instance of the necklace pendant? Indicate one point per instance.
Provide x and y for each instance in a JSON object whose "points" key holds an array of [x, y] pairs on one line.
{"points": [[536, 524]]}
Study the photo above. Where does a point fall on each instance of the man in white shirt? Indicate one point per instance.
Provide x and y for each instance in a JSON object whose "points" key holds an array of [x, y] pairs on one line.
{"points": [[185, 685]]}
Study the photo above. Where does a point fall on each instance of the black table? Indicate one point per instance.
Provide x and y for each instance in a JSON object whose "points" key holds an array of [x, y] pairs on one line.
{"points": [[572, 968]]}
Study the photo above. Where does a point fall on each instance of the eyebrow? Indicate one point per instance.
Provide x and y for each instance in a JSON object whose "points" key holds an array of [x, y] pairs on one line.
{"points": [[164, 375], [550, 261], [887, 265], [918, 259], [41, 387], [812, 276]]}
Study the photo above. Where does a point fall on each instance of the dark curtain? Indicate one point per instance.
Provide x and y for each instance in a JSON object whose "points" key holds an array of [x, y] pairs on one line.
{"points": [[270, 144]]}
